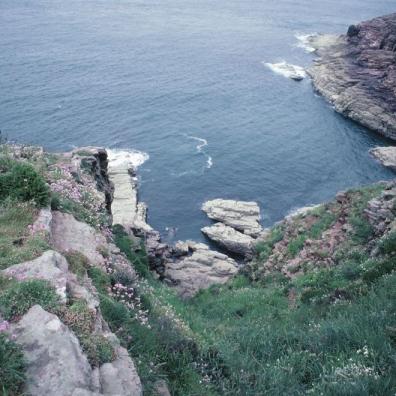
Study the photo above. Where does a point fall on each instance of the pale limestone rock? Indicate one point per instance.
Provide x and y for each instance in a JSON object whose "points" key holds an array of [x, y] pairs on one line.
{"points": [[161, 388], [56, 365], [229, 238], [43, 221], [202, 269], [69, 234], [50, 266], [125, 207], [241, 215], [120, 377], [386, 156]]}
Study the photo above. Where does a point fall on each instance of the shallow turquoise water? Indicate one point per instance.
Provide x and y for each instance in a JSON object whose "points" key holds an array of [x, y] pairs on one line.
{"points": [[156, 75]]}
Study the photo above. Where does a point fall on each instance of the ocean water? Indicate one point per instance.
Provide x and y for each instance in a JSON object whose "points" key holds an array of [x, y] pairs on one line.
{"points": [[186, 83]]}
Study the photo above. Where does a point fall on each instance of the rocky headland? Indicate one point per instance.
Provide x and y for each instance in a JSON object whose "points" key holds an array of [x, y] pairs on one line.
{"points": [[356, 73]]}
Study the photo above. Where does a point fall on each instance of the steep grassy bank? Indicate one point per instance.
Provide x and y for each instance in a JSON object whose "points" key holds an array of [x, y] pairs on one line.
{"points": [[313, 313]]}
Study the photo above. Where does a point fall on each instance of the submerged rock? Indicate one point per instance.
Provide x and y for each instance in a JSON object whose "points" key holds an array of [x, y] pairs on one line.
{"points": [[357, 73], [241, 215], [293, 72], [229, 238], [200, 270], [385, 155]]}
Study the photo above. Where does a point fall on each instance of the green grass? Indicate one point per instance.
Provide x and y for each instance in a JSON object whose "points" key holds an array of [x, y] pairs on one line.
{"points": [[16, 243], [17, 300], [78, 210], [12, 367], [135, 254], [78, 263]]}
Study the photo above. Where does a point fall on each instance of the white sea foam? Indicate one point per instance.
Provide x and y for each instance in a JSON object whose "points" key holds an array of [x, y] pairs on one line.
{"points": [[304, 41], [287, 70], [130, 158], [201, 144]]}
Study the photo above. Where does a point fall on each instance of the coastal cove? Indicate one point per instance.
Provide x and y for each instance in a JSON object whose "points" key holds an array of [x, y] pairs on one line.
{"points": [[192, 93]]}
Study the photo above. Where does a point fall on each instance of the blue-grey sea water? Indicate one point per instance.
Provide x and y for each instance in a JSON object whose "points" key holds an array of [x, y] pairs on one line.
{"points": [[184, 81]]}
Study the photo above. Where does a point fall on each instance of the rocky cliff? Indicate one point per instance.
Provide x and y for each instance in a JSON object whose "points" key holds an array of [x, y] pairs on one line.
{"points": [[356, 72]]}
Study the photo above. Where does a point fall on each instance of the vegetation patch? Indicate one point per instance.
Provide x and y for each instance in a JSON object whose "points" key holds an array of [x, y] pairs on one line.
{"points": [[78, 263], [81, 320], [12, 367], [17, 243], [16, 301], [20, 181], [135, 253]]}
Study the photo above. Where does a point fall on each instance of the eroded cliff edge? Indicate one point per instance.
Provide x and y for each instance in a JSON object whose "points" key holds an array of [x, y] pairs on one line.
{"points": [[356, 72]]}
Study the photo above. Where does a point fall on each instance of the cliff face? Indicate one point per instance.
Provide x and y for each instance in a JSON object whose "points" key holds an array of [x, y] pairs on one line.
{"points": [[356, 72]]}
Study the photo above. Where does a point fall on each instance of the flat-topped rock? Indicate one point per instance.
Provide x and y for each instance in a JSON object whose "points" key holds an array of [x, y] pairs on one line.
{"points": [[200, 270], [242, 215], [229, 238], [50, 266], [385, 155], [125, 207]]}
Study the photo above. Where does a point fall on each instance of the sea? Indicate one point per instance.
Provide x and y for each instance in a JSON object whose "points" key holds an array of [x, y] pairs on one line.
{"points": [[192, 92]]}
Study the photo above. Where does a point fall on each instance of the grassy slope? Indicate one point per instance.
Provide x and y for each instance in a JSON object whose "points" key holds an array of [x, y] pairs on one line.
{"points": [[330, 331], [337, 335]]}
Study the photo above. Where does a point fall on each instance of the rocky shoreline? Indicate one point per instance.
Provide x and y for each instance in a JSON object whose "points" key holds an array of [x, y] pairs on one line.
{"points": [[356, 73]]}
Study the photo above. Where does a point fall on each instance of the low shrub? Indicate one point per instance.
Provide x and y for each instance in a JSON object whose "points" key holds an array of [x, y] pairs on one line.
{"points": [[388, 244], [78, 263], [12, 367], [16, 301], [23, 183]]}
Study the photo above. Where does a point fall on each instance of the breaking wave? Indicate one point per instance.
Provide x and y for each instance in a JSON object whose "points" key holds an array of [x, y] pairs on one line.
{"points": [[131, 158]]}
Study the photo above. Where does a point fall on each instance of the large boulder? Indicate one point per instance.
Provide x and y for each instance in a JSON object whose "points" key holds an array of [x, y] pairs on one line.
{"points": [[69, 234], [55, 363], [200, 270], [229, 238], [386, 156], [51, 266], [241, 215]]}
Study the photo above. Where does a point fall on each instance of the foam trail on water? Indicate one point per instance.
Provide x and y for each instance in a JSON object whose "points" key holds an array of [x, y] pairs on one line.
{"points": [[304, 41], [202, 143], [287, 70], [130, 158]]}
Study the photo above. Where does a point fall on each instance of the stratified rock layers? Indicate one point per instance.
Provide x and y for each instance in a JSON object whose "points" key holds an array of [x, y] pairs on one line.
{"points": [[356, 72]]}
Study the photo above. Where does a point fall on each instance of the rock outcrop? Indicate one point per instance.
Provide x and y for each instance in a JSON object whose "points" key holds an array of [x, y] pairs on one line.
{"points": [[241, 215], [51, 266], [56, 365], [386, 156], [95, 160], [69, 234], [230, 239], [197, 268], [356, 72]]}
